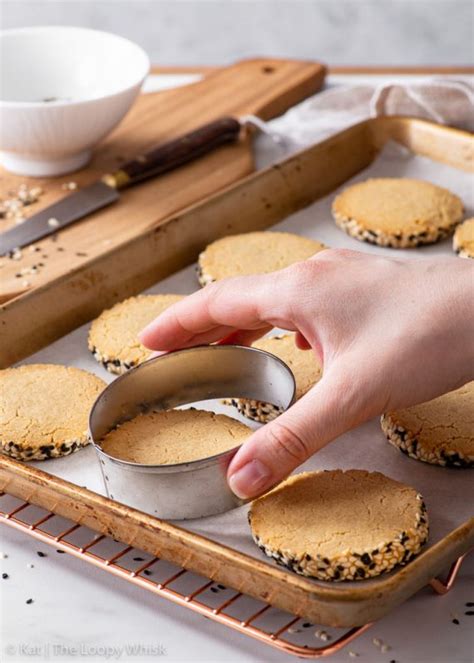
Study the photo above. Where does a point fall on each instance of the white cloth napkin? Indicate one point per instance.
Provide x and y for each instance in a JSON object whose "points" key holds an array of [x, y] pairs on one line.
{"points": [[446, 101]]}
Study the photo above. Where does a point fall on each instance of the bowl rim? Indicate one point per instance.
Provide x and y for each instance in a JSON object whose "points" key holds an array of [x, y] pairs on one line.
{"points": [[8, 103]]}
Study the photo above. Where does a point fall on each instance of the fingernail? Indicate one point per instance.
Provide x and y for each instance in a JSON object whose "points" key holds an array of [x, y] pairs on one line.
{"points": [[250, 480]]}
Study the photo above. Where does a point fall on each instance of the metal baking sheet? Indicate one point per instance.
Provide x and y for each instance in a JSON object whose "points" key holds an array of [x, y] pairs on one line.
{"points": [[449, 493]]}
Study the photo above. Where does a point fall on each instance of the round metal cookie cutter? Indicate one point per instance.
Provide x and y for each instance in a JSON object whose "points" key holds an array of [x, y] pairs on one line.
{"points": [[197, 488]]}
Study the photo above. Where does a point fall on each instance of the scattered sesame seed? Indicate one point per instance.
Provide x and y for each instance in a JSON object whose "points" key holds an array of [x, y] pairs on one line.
{"points": [[221, 586], [69, 186], [325, 636], [61, 552], [376, 642], [29, 601], [456, 621], [353, 654], [214, 590], [147, 572], [4, 576], [53, 223], [81, 254], [138, 559], [26, 284], [3, 555], [384, 649], [294, 629], [30, 566], [306, 625], [469, 613], [41, 554], [470, 604]]}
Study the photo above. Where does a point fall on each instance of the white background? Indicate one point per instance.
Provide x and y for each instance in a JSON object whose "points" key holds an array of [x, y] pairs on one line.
{"points": [[190, 32]]}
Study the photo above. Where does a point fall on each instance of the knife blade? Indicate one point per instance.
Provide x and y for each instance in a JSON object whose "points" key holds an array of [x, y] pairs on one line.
{"points": [[59, 215], [79, 204]]}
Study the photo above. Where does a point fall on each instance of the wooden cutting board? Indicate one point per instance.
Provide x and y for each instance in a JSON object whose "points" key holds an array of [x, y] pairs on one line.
{"points": [[262, 87]]}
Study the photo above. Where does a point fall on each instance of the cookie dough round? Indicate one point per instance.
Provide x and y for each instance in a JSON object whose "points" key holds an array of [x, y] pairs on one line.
{"points": [[174, 436], [253, 253], [113, 336], [463, 240], [306, 369], [440, 432], [44, 410], [397, 212], [337, 525]]}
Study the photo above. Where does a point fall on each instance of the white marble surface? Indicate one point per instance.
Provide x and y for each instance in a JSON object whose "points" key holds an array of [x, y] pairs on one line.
{"points": [[365, 32], [77, 605], [79, 611]]}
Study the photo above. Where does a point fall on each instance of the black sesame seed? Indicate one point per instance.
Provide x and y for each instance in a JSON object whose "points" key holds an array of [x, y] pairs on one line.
{"points": [[221, 586], [4, 576], [29, 601], [366, 559], [147, 572], [41, 554], [456, 621], [306, 625], [469, 612], [360, 572], [138, 559], [61, 552], [214, 590], [470, 604]]}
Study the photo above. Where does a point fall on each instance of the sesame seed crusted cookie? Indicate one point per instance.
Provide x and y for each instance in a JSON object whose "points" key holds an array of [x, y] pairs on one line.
{"points": [[336, 525], [397, 212], [113, 336], [440, 432], [44, 410], [463, 240], [304, 365], [174, 436], [253, 253]]}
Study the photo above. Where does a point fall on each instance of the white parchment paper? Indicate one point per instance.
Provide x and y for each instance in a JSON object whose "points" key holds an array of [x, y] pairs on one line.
{"points": [[449, 493]]}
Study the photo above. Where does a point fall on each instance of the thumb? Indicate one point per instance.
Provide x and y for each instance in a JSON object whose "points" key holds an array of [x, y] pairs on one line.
{"points": [[272, 452]]}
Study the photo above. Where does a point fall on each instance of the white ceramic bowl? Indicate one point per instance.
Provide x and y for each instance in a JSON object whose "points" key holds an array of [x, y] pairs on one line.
{"points": [[62, 89]]}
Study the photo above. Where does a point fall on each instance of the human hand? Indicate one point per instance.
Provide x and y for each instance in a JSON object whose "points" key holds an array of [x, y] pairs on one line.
{"points": [[389, 333]]}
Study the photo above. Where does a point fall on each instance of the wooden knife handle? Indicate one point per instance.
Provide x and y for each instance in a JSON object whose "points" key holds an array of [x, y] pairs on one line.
{"points": [[175, 153]]}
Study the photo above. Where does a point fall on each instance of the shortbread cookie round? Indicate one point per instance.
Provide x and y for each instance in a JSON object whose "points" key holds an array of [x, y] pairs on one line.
{"points": [[44, 410], [463, 240], [304, 365], [337, 525], [113, 336], [440, 432], [399, 213], [174, 436], [253, 253]]}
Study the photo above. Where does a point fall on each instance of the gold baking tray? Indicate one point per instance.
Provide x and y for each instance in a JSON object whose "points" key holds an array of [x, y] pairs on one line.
{"points": [[258, 201]]}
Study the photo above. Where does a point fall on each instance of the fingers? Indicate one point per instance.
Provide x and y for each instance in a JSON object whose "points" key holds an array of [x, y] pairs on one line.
{"points": [[272, 452], [213, 313], [244, 336], [301, 342]]}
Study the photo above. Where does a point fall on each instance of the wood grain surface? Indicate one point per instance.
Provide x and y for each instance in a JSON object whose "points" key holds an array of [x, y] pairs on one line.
{"points": [[262, 87]]}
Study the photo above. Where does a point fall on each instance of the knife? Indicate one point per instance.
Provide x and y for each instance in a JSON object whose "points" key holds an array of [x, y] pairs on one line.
{"points": [[161, 159]]}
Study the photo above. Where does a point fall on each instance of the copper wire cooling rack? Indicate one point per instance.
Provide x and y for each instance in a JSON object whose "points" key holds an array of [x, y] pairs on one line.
{"points": [[256, 619]]}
